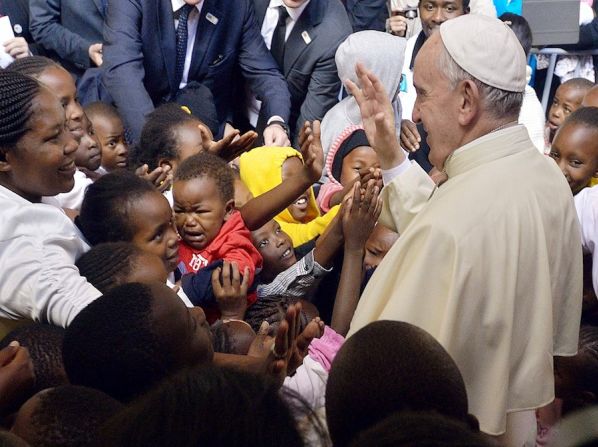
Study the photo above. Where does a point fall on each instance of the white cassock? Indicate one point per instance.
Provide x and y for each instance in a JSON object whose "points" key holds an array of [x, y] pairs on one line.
{"points": [[490, 264]]}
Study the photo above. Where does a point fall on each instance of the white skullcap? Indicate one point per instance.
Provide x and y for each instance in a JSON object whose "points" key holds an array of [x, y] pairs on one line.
{"points": [[487, 49]]}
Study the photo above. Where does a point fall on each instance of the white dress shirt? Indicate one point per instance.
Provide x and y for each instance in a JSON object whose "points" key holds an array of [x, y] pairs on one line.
{"points": [[192, 23], [38, 248], [268, 27]]}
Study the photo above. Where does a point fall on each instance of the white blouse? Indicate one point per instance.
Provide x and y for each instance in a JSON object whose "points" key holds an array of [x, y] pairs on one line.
{"points": [[38, 248]]}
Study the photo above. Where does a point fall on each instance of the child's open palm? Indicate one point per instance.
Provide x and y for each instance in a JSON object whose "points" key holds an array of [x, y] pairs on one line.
{"points": [[360, 214], [311, 150], [230, 290]]}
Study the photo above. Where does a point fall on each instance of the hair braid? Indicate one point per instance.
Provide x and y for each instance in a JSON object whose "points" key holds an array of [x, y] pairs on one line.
{"points": [[17, 93], [32, 65]]}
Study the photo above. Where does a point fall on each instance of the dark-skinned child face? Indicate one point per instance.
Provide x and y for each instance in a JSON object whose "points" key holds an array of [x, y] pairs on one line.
{"points": [[377, 245], [575, 150], [276, 248], [362, 157], [111, 135], [567, 100], [183, 330], [153, 227], [199, 210], [42, 161], [88, 154], [291, 167], [61, 83]]}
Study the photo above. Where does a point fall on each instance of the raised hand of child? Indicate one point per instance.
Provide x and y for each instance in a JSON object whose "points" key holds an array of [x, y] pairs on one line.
{"points": [[377, 116], [16, 376], [314, 329], [367, 174], [230, 146], [311, 150], [360, 213], [230, 290], [161, 177], [410, 137]]}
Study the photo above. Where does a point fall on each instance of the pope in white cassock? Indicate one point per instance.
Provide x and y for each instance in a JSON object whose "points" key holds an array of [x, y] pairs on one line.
{"points": [[490, 262]]}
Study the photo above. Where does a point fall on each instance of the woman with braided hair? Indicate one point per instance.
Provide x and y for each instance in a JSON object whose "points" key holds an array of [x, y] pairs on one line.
{"points": [[38, 242]]}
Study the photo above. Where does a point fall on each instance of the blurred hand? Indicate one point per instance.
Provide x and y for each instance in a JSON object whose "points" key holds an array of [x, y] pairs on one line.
{"points": [[311, 150], [230, 146], [17, 377], [275, 135], [161, 177], [230, 291], [360, 214], [397, 25], [17, 47], [95, 54], [410, 137]]}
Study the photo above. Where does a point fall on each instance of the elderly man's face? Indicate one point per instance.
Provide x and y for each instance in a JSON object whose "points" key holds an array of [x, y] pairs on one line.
{"points": [[436, 104], [434, 12]]}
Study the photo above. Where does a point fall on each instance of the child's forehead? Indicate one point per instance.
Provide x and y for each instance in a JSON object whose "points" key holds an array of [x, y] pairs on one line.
{"points": [[577, 136], [570, 93]]}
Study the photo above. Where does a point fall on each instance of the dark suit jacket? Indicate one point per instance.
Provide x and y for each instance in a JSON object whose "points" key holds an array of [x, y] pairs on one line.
{"points": [[66, 29], [18, 12], [309, 66], [367, 14], [140, 56]]}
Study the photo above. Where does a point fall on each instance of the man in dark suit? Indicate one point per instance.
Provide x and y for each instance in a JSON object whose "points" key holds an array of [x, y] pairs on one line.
{"points": [[70, 31], [303, 36], [154, 48], [367, 14], [23, 43]]}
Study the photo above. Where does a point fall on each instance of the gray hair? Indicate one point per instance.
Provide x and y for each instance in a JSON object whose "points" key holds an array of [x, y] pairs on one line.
{"points": [[499, 103]]}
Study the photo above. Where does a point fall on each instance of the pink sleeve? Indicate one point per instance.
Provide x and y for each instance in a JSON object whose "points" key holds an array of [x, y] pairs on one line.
{"points": [[324, 349], [325, 194]]}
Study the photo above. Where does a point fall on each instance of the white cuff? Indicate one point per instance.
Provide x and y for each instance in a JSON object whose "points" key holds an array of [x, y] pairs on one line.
{"points": [[388, 175], [275, 118]]}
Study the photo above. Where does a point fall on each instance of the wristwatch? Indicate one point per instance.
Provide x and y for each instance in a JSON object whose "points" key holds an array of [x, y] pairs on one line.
{"points": [[282, 124]]}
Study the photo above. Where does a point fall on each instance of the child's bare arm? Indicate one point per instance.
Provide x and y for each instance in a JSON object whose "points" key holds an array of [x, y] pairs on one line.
{"points": [[359, 217], [259, 210], [329, 242]]}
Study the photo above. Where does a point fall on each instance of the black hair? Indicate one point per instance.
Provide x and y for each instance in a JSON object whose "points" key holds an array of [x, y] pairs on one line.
{"points": [[273, 309], [69, 416], [17, 105], [521, 28], [582, 84], [209, 407], [209, 165], [465, 5], [428, 429], [111, 345], [390, 366], [33, 65], [106, 205], [44, 343], [109, 264], [158, 137], [99, 108], [584, 116]]}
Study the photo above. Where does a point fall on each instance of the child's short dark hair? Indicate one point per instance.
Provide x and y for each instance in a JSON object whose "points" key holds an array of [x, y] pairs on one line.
{"points": [[70, 416], [521, 28], [409, 429], [105, 207], [582, 84], [99, 108], [158, 137], [584, 116], [273, 309], [209, 165], [109, 264], [110, 344], [44, 343], [33, 65], [359, 393], [208, 406]]}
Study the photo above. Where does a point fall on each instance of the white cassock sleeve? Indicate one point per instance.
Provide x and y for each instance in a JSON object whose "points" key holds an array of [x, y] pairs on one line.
{"points": [[586, 205]]}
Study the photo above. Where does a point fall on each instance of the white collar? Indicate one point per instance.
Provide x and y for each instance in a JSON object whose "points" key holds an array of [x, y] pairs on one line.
{"points": [[178, 4], [294, 13]]}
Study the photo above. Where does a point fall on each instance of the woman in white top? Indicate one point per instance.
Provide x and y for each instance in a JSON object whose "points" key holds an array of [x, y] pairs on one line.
{"points": [[38, 242]]}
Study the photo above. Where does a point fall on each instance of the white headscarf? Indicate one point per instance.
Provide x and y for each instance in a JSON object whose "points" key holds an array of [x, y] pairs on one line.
{"points": [[381, 53]]}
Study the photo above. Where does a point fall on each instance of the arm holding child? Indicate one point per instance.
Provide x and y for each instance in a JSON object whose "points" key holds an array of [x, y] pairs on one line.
{"points": [[359, 216]]}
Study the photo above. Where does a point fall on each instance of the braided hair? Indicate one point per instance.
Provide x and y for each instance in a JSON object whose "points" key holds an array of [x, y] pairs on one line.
{"points": [[158, 137], [17, 95], [273, 309], [33, 66], [109, 264], [105, 208]]}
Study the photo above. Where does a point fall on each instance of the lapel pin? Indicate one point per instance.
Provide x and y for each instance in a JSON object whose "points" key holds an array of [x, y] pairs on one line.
{"points": [[18, 28], [212, 18], [306, 37]]}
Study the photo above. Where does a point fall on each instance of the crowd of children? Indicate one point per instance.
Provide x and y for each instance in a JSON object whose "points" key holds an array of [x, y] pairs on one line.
{"points": [[190, 291]]}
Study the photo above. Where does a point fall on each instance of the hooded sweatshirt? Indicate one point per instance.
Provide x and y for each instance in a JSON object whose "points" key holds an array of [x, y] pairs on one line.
{"points": [[261, 171], [375, 50]]}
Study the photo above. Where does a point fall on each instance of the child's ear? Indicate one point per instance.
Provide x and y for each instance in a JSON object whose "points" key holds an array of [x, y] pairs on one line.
{"points": [[229, 207], [4, 163]]}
